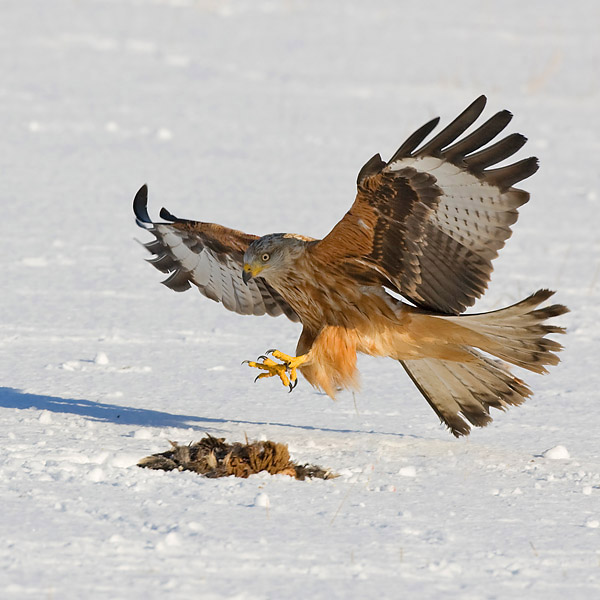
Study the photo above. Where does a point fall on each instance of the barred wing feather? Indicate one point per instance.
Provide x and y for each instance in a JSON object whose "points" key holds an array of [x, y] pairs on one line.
{"points": [[210, 257], [430, 221]]}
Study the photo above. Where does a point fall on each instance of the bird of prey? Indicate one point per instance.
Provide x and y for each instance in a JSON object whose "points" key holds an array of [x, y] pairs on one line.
{"points": [[425, 226]]}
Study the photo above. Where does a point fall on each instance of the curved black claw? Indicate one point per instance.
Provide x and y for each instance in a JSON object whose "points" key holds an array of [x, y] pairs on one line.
{"points": [[271, 351], [262, 357], [257, 377], [292, 385], [245, 361]]}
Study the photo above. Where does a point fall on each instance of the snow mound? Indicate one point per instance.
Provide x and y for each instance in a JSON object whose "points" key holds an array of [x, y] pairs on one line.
{"points": [[556, 453]]}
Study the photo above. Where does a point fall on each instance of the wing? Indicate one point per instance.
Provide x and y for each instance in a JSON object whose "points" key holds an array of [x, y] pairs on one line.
{"points": [[430, 221], [210, 257]]}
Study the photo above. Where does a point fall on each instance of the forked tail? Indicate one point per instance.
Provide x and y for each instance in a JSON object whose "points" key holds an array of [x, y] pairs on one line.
{"points": [[461, 393]]}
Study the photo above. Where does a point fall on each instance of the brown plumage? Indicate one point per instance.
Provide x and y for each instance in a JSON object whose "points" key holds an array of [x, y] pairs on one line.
{"points": [[426, 225]]}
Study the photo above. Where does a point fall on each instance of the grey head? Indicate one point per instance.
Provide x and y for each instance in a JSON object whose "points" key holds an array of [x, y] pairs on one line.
{"points": [[273, 255]]}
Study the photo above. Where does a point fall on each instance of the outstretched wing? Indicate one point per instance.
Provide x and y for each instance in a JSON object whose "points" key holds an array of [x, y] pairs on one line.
{"points": [[210, 257], [430, 221]]}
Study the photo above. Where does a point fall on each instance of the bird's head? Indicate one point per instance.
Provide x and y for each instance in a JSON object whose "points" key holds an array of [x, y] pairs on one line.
{"points": [[271, 256]]}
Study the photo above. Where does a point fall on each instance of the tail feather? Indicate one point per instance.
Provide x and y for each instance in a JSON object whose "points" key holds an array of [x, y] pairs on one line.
{"points": [[461, 393], [517, 333]]}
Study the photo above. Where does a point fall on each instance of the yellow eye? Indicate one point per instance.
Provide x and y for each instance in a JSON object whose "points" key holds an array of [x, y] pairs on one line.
{"points": [[265, 257]]}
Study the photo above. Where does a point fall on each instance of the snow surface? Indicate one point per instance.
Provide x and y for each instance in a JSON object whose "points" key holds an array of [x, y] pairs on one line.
{"points": [[258, 115]]}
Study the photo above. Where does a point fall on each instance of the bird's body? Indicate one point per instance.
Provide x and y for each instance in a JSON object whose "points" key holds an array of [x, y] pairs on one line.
{"points": [[424, 225]]}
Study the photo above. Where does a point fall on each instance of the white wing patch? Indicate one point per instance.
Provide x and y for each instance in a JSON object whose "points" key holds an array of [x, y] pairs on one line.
{"points": [[201, 272], [184, 256], [217, 276], [473, 213]]}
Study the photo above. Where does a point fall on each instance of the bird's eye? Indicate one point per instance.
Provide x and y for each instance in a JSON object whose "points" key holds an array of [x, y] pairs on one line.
{"points": [[265, 257]]}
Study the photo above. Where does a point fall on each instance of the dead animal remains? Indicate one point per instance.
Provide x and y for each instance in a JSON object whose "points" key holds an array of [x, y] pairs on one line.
{"points": [[213, 457]]}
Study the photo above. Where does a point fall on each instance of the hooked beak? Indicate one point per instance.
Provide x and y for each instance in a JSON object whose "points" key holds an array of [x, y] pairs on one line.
{"points": [[249, 272]]}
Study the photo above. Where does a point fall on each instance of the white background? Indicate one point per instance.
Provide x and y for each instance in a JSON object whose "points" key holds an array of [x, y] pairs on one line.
{"points": [[258, 115]]}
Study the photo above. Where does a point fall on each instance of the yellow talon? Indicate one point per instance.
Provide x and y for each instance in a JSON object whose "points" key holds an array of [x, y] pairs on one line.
{"points": [[272, 369], [288, 363], [291, 362]]}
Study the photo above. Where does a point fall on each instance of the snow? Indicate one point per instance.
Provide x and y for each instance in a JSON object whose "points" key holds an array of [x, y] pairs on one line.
{"points": [[259, 115], [556, 453], [262, 500]]}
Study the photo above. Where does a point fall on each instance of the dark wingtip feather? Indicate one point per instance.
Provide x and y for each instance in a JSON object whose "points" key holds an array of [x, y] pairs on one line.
{"points": [[370, 168], [455, 129], [414, 140], [496, 153], [154, 247], [178, 281], [163, 262], [478, 138], [167, 216], [140, 207], [506, 177]]}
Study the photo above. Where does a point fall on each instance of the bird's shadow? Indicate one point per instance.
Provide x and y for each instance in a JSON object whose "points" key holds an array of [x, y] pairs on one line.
{"points": [[142, 417]]}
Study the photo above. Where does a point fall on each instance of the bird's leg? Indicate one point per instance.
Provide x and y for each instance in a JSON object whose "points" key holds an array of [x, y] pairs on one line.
{"points": [[286, 370]]}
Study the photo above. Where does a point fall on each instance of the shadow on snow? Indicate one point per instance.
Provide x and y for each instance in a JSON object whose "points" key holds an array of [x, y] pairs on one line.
{"points": [[143, 417]]}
